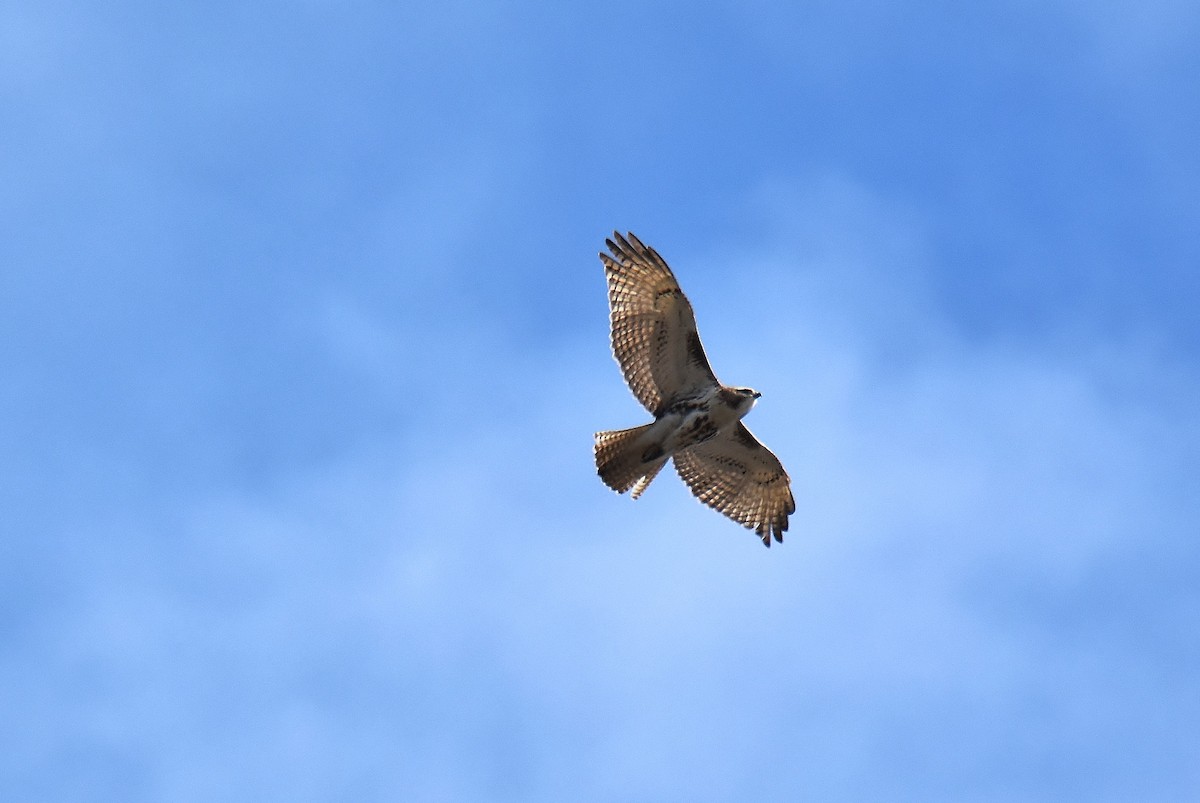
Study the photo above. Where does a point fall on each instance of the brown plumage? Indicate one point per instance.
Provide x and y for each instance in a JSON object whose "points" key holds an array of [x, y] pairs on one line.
{"points": [[697, 420]]}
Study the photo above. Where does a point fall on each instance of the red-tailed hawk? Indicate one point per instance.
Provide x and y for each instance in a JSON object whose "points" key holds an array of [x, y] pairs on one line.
{"points": [[697, 420]]}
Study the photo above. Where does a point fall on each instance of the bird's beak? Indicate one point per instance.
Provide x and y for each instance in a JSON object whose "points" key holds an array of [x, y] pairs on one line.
{"points": [[757, 395]]}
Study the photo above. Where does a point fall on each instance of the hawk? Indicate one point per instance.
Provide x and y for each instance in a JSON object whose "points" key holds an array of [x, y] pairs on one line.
{"points": [[697, 420]]}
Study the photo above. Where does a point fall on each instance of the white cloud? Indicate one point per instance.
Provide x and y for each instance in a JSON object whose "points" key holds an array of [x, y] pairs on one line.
{"points": [[462, 609], [529, 631]]}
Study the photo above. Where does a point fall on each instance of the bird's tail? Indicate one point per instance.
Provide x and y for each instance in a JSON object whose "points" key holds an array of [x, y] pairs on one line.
{"points": [[628, 458]]}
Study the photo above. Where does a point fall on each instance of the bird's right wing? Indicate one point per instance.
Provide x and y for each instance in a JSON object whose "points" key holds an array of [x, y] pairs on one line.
{"points": [[654, 336], [735, 474]]}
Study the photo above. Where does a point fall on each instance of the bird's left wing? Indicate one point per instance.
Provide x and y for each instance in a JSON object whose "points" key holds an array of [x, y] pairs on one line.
{"points": [[654, 334], [735, 474]]}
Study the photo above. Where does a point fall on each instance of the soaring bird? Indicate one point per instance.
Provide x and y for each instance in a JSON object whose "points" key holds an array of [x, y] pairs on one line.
{"points": [[697, 420]]}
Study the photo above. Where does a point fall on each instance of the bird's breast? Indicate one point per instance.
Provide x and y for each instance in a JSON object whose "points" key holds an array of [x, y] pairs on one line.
{"points": [[694, 421]]}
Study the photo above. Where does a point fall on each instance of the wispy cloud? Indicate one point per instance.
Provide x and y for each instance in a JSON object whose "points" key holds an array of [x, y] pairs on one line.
{"points": [[304, 373]]}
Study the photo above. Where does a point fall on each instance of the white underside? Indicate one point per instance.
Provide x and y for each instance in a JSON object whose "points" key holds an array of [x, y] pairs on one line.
{"points": [[675, 432]]}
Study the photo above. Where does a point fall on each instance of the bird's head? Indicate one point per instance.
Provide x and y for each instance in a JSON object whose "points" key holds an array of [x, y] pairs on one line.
{"points": [[746, 397]]}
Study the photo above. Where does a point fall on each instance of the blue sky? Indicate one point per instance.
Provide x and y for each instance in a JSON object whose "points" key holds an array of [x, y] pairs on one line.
{"points": [[304, 339]]}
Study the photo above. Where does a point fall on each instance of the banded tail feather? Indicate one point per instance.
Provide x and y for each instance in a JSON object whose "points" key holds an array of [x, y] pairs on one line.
{"points": [[628, 458]]}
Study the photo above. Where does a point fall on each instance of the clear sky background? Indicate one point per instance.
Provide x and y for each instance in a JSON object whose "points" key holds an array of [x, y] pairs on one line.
{"points": [[303, 340]]}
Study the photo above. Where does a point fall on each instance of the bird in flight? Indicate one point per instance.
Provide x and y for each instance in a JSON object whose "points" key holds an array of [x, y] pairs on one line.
{"points": [[697, 420]]}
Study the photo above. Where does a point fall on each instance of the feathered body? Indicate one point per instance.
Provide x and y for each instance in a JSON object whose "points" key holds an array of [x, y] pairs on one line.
{"points": [[697, 420]]}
